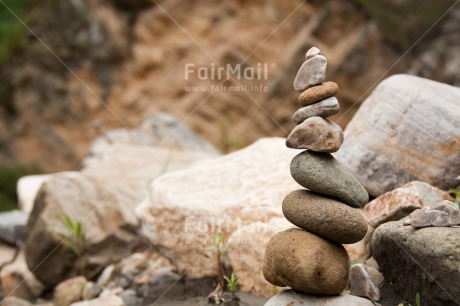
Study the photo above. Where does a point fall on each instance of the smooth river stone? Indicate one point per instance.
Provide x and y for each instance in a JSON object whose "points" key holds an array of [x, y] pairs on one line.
{"points": [[312, 72], [316, 134], [325, 108], [306, 262], [317, 93], [325, 217], [322, 173]]}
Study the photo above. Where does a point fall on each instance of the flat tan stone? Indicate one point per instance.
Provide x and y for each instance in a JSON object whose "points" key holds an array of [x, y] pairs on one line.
{"points": [[318, 93]]}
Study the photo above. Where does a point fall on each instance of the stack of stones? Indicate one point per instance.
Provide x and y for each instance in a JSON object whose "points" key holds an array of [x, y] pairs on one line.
{"points": [[311, 258]]}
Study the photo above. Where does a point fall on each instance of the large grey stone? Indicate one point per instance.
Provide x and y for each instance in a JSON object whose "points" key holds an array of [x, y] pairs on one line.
{"points": [[295, 298], [322, 173], [424, 261], [224, 194], [408, 129], [312, 72]]}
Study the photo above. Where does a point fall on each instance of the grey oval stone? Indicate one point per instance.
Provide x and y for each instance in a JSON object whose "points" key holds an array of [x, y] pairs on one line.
{"points": [[322, 173], [324, 108], [312, 72], [325, 217]]}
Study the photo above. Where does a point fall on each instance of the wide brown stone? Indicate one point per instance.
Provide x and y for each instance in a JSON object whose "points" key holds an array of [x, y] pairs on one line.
{"points": [[316, 134], [325, 217], [306, 262], [317, 93]]}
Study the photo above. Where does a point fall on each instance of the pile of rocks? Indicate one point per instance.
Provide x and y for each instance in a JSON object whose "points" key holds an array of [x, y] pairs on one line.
{"points": [[311, 258]]}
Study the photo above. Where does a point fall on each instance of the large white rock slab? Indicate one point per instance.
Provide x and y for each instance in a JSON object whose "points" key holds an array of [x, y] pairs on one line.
{"points": [[186, 208], [103, 196], [408, 129]]}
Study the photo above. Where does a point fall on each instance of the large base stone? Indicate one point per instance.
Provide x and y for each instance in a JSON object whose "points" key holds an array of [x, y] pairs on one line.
{"points": [[424, 261]]}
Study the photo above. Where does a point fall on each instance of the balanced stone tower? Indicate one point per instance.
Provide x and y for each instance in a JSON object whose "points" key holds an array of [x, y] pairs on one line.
{"points": [[310, 257]]}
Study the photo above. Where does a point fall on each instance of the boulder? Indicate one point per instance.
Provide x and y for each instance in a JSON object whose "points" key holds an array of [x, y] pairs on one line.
{"points": [[246, 249], [12, 225], [217, 195], [161, 130], [424, 261], [306, 262], [102, 198], [399, 203], [28, 186], [406, 130], [295, 298]]}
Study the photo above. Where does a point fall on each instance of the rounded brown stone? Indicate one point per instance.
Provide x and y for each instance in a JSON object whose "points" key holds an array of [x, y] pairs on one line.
{"points": [[317, 93], [306, 262], [325, 217]]}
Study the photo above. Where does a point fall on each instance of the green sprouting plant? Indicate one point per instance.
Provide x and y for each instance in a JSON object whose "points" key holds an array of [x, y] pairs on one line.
{"points": [[276, 289], [455, 196], [75, 236], [232, 282], [417, 299], [219, 247]]}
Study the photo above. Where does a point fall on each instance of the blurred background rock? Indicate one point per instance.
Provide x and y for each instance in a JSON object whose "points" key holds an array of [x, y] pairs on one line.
{"points": [[78, 57]]}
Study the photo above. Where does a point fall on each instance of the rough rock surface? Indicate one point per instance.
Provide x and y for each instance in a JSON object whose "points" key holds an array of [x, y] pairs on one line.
{"points": [[316, 134], [103, 197], [398, 203], [322, 173], [28, 186], [444, 213], [325, 108], [393, 138], [325, 217], [424, 261], [312, 72], [217, 195], [317, 93], [246, 249], [295, 298], [362, 283], [306, 262]]}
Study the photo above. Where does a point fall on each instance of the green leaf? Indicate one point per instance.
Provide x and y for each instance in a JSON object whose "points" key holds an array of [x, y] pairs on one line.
{"points": [[417, 299]]}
